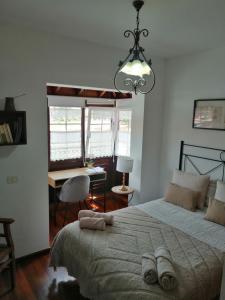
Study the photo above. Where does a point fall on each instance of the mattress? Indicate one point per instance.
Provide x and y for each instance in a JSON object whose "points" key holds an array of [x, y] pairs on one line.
{"points": [[107, 263], [192, 223]]}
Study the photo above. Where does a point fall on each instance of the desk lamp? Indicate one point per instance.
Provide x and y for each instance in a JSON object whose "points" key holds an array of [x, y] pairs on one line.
{"points": [[124, 165]]}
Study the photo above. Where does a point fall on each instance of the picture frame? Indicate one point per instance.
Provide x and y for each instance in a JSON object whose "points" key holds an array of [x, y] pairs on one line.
{"points": [[209, 114]]}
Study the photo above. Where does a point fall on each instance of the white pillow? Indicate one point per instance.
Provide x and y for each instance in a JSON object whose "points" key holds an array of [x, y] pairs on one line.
{"points": [[198, 183], [220, 191]]}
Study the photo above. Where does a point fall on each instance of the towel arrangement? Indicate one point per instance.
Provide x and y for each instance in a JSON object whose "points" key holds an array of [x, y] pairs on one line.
{"points": [[92, 223], [159, 267], [149, 268], [94, 220]]}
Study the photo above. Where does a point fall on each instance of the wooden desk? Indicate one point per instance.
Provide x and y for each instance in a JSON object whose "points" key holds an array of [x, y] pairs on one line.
{"points": [[57, 178]]}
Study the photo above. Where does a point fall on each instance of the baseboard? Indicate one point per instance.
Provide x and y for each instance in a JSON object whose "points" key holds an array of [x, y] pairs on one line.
{"points": [[32, 255]]}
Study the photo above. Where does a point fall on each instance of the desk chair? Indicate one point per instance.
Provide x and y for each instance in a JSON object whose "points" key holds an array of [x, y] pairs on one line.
{"points": [[7, 257], [74, 190]]}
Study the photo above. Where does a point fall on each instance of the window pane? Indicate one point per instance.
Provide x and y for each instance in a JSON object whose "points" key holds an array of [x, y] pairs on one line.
{"points": [[57, 115], [106, 127], [65, 133], [99, 138], [124, 133], [57, 127], [95, 128], [74, 127]]}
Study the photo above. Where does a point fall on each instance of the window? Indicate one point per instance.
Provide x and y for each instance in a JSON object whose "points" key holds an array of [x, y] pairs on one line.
{"points": [[123, 132], [100, 132], [95, 131], [65, 132]]}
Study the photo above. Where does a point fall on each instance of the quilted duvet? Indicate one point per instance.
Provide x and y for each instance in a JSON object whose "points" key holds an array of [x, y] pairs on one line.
{"points": [[107, 263]]}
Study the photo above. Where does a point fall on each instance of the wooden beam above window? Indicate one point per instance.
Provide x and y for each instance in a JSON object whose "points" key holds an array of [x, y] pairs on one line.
{"points": [[78, 92]]}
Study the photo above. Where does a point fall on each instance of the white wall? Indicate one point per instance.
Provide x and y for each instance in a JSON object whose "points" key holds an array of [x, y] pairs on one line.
{"points": [[29, 60], [137, 106], [153, 122], [199, 76]]}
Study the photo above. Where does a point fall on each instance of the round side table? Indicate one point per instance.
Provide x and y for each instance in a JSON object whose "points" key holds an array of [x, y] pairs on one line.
{"points": [[117, 190]]}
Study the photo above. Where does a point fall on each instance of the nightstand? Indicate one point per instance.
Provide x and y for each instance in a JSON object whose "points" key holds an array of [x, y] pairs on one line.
{"points": [[117, 190]]}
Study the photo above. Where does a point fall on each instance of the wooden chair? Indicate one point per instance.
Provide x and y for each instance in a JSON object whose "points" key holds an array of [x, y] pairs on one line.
{"points": [[7, 257]]}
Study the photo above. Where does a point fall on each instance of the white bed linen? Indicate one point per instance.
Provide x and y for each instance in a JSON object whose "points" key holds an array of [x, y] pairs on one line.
{"points": [[192, 223], [108, 263]]}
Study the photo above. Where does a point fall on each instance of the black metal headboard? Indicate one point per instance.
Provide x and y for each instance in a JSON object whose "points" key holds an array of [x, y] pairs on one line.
{"points": [[187, 156]]}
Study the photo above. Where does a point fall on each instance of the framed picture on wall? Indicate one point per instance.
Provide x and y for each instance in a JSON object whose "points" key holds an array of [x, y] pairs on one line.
{"points": [[209, 114]]}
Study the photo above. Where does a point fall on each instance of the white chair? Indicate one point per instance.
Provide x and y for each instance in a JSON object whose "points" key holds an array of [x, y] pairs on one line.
{"points": [[74, 190]]}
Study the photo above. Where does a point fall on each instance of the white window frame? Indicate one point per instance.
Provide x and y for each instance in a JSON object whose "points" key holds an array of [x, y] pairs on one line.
{"points": [[88, 133]]}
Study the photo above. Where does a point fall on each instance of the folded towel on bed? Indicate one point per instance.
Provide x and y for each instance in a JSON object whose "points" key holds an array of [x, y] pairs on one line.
{"points": [[91, 214], [166, 272], [92, 223], [149, 269]]}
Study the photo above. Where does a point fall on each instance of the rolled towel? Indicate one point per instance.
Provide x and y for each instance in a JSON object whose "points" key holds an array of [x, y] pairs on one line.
{"points": [[165, 267], [91, 214], [109, 219], [92, 223], [149, 269]]}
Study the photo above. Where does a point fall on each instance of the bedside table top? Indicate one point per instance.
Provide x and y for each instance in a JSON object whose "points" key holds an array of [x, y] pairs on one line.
{"points": [[117, 190]]}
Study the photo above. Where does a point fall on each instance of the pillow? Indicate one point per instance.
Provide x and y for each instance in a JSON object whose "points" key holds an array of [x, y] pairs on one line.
{"points": [[182, 196], [211, 191], [220, 191], [198, 183], [216, 212]]}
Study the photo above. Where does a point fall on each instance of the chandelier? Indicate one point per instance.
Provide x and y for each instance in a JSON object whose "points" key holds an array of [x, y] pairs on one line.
{"points": [[135, 72]]}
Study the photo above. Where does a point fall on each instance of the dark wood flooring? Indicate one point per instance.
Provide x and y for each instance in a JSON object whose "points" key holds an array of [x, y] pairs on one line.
{"points": [[35, 280]]}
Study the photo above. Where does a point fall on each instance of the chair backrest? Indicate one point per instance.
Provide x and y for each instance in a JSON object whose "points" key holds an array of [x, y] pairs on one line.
{"points": [[75, 189]]}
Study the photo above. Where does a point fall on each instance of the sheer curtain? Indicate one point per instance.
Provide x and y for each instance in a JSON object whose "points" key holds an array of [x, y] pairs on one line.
{"points": [[65, 132], [100, 128], [107, 132]]}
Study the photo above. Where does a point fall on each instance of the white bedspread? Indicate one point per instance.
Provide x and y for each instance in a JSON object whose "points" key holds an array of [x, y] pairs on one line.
{"points": [[108, 263], [192, 223]]}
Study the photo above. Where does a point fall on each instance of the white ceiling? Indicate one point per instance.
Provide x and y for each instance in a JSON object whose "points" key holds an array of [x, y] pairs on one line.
{"points": [[178, 27]]}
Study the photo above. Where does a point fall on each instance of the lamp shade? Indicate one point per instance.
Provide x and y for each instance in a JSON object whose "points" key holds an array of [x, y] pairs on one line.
{"points": [[136, 68], [124, 164]]}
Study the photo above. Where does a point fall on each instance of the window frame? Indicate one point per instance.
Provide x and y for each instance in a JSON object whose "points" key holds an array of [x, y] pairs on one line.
{"points": [[79, 162], [71, 163], [64, 163], [93, 108], [118, 124]]}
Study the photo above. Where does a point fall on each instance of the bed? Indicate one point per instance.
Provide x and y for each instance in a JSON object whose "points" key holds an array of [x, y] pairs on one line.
{"points": [[107, 263]]}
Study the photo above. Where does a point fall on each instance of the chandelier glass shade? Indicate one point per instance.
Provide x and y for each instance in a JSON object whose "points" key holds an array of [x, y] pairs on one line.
{"points": [[135, 72]]}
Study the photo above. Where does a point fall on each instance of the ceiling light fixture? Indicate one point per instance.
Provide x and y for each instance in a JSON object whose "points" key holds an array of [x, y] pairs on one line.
{"points": [[135, 73]]}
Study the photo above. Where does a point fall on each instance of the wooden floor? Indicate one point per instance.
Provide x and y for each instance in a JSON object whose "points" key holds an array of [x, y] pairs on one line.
{"points": [[35, 280], [112, 202]]}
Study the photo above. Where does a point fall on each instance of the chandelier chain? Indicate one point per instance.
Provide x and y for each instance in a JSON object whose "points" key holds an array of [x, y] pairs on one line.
{"points": [[137, 18], [141, 76]]}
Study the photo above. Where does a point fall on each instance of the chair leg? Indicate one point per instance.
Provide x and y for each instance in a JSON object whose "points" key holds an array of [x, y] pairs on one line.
{"points": [[65, 215], [85, 202], [104, 201], [104, 196], [13, 273], [56, 208]]}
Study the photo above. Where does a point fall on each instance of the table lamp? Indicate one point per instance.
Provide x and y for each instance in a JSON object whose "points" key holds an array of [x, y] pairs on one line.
{"points": [[124, 165]]}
